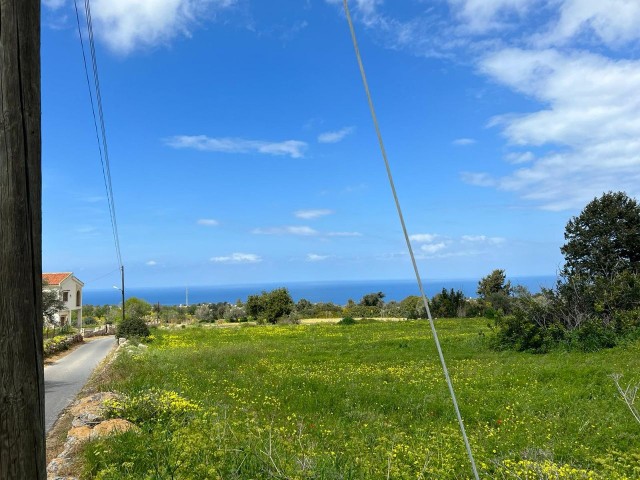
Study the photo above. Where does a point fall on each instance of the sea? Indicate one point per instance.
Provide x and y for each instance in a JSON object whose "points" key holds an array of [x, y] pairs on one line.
{"points": [[337, 292]]}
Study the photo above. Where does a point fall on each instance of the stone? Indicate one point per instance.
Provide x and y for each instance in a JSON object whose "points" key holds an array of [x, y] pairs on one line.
{"points": [[111, 427], [76, 436], [56, 465], [90, 410]]}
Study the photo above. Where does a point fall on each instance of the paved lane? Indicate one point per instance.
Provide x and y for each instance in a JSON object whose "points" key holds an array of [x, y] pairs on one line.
{"points": [[64, 379]]}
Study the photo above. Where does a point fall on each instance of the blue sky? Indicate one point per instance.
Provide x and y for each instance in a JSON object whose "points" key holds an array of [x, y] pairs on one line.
{"points": [[242, 149]]}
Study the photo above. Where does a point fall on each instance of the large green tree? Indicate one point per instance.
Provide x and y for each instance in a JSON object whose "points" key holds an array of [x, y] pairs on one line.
{"points": [[604, 239], [494, 283], [137, 308], [270, 306], [372, 299]]}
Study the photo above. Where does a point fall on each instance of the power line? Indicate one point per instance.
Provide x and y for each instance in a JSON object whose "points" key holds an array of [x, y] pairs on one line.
{"points": [[104, 157], [406, 237]]}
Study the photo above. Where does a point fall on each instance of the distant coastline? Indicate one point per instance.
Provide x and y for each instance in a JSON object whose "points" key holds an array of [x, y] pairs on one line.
{"points": [[338, 292]]}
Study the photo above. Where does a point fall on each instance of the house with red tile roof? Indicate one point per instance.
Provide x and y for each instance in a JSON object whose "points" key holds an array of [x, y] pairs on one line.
{"points": [[69, 290]]}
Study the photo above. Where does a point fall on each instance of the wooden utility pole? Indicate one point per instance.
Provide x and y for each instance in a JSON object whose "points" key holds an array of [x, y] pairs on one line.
{"points": [[22, 435]]}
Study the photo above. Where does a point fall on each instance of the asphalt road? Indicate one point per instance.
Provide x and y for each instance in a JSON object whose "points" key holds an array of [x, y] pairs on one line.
{"points": [[64, 379]]}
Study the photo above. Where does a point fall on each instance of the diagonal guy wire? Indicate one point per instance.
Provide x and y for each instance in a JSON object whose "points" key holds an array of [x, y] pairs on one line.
{"points": [[406, 237]]}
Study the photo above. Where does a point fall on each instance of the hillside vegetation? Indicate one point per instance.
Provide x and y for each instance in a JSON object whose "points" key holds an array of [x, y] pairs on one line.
{"points": [[364, 401]]}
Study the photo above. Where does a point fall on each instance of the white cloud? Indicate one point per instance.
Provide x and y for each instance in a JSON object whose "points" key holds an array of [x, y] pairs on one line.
{"points": [[479, 16], [238, 258], [290, 230], [291, 148], [479, 179], [151, 263], [207, 222], [431, 248], [313, 257], [423, 237], [612, 22], [463, 142], [589, 120], [315, 213], [126, 25], [303, 231], [482, 239], [520, 157], [335, 137], [87, 230]]}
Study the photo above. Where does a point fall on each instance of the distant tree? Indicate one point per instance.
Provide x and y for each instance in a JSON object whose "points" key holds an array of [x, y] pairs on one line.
{"points": [[137, 308], [270, 306], [51, 304], [448, 304], [412, 307], [278, 304], [205, 313], [304, 307], [392, 309], [372, 300], [604, 239], [234, 313], [493, 283], [326, 310], [88, 311], [256, 305], [101, 310]]}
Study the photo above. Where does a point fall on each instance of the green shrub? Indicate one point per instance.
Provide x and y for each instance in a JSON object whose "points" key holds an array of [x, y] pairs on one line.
{"points": [[592, 336], [519, 332], [347, 321], [132, 327]]}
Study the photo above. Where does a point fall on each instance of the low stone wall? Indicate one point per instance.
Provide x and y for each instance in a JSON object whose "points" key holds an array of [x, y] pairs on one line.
{"points": [[104, 330], [60, 343]]}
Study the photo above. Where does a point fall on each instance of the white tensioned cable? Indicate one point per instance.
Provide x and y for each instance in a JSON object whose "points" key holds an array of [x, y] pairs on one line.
{"points": [[406, 237]]}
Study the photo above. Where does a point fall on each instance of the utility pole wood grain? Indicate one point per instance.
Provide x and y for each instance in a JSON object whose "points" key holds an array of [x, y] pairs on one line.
{"points": [[22, 436]]}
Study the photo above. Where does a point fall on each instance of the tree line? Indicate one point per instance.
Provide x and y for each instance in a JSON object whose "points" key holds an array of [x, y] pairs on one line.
{"points": [[594, 304]]}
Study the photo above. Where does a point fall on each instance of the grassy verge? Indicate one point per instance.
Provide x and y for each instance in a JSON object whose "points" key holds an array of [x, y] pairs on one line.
{"points": [[364, 401]]}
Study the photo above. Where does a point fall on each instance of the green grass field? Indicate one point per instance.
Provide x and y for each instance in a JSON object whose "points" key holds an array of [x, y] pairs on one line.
{"points": [[365, 401]]}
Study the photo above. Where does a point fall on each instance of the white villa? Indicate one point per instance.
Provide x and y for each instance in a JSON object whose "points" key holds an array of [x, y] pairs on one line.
{"points": [[69, 289]]}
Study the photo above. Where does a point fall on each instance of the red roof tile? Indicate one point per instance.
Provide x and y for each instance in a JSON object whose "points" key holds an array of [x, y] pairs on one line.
{"points": [[55, 278]]}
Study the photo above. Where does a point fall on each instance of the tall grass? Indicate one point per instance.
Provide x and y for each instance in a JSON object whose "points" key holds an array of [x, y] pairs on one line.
{"points": [[364, 401]]}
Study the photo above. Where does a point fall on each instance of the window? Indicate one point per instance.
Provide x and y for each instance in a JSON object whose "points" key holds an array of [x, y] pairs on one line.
{"points": [[78, 303], [65, 296]]}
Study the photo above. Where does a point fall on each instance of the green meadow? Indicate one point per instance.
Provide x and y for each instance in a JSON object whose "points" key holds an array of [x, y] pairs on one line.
{"points": [[364, 401]]}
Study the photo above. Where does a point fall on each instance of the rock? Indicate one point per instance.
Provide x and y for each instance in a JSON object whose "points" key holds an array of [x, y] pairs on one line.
{"points": [[56, 465], [111, 427], [90, 410], [75, 436]]}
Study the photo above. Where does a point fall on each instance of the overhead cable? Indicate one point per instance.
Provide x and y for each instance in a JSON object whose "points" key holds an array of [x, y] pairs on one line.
{"points": [[102, 146]]}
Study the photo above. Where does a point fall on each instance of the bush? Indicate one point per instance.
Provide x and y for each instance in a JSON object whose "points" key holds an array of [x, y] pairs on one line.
{"points": [[519, 332], [592, 335], [132, 327], [347, 321]]}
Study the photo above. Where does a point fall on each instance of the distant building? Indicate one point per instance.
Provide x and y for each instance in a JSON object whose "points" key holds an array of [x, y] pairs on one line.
{"points": [[69, 290]]}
